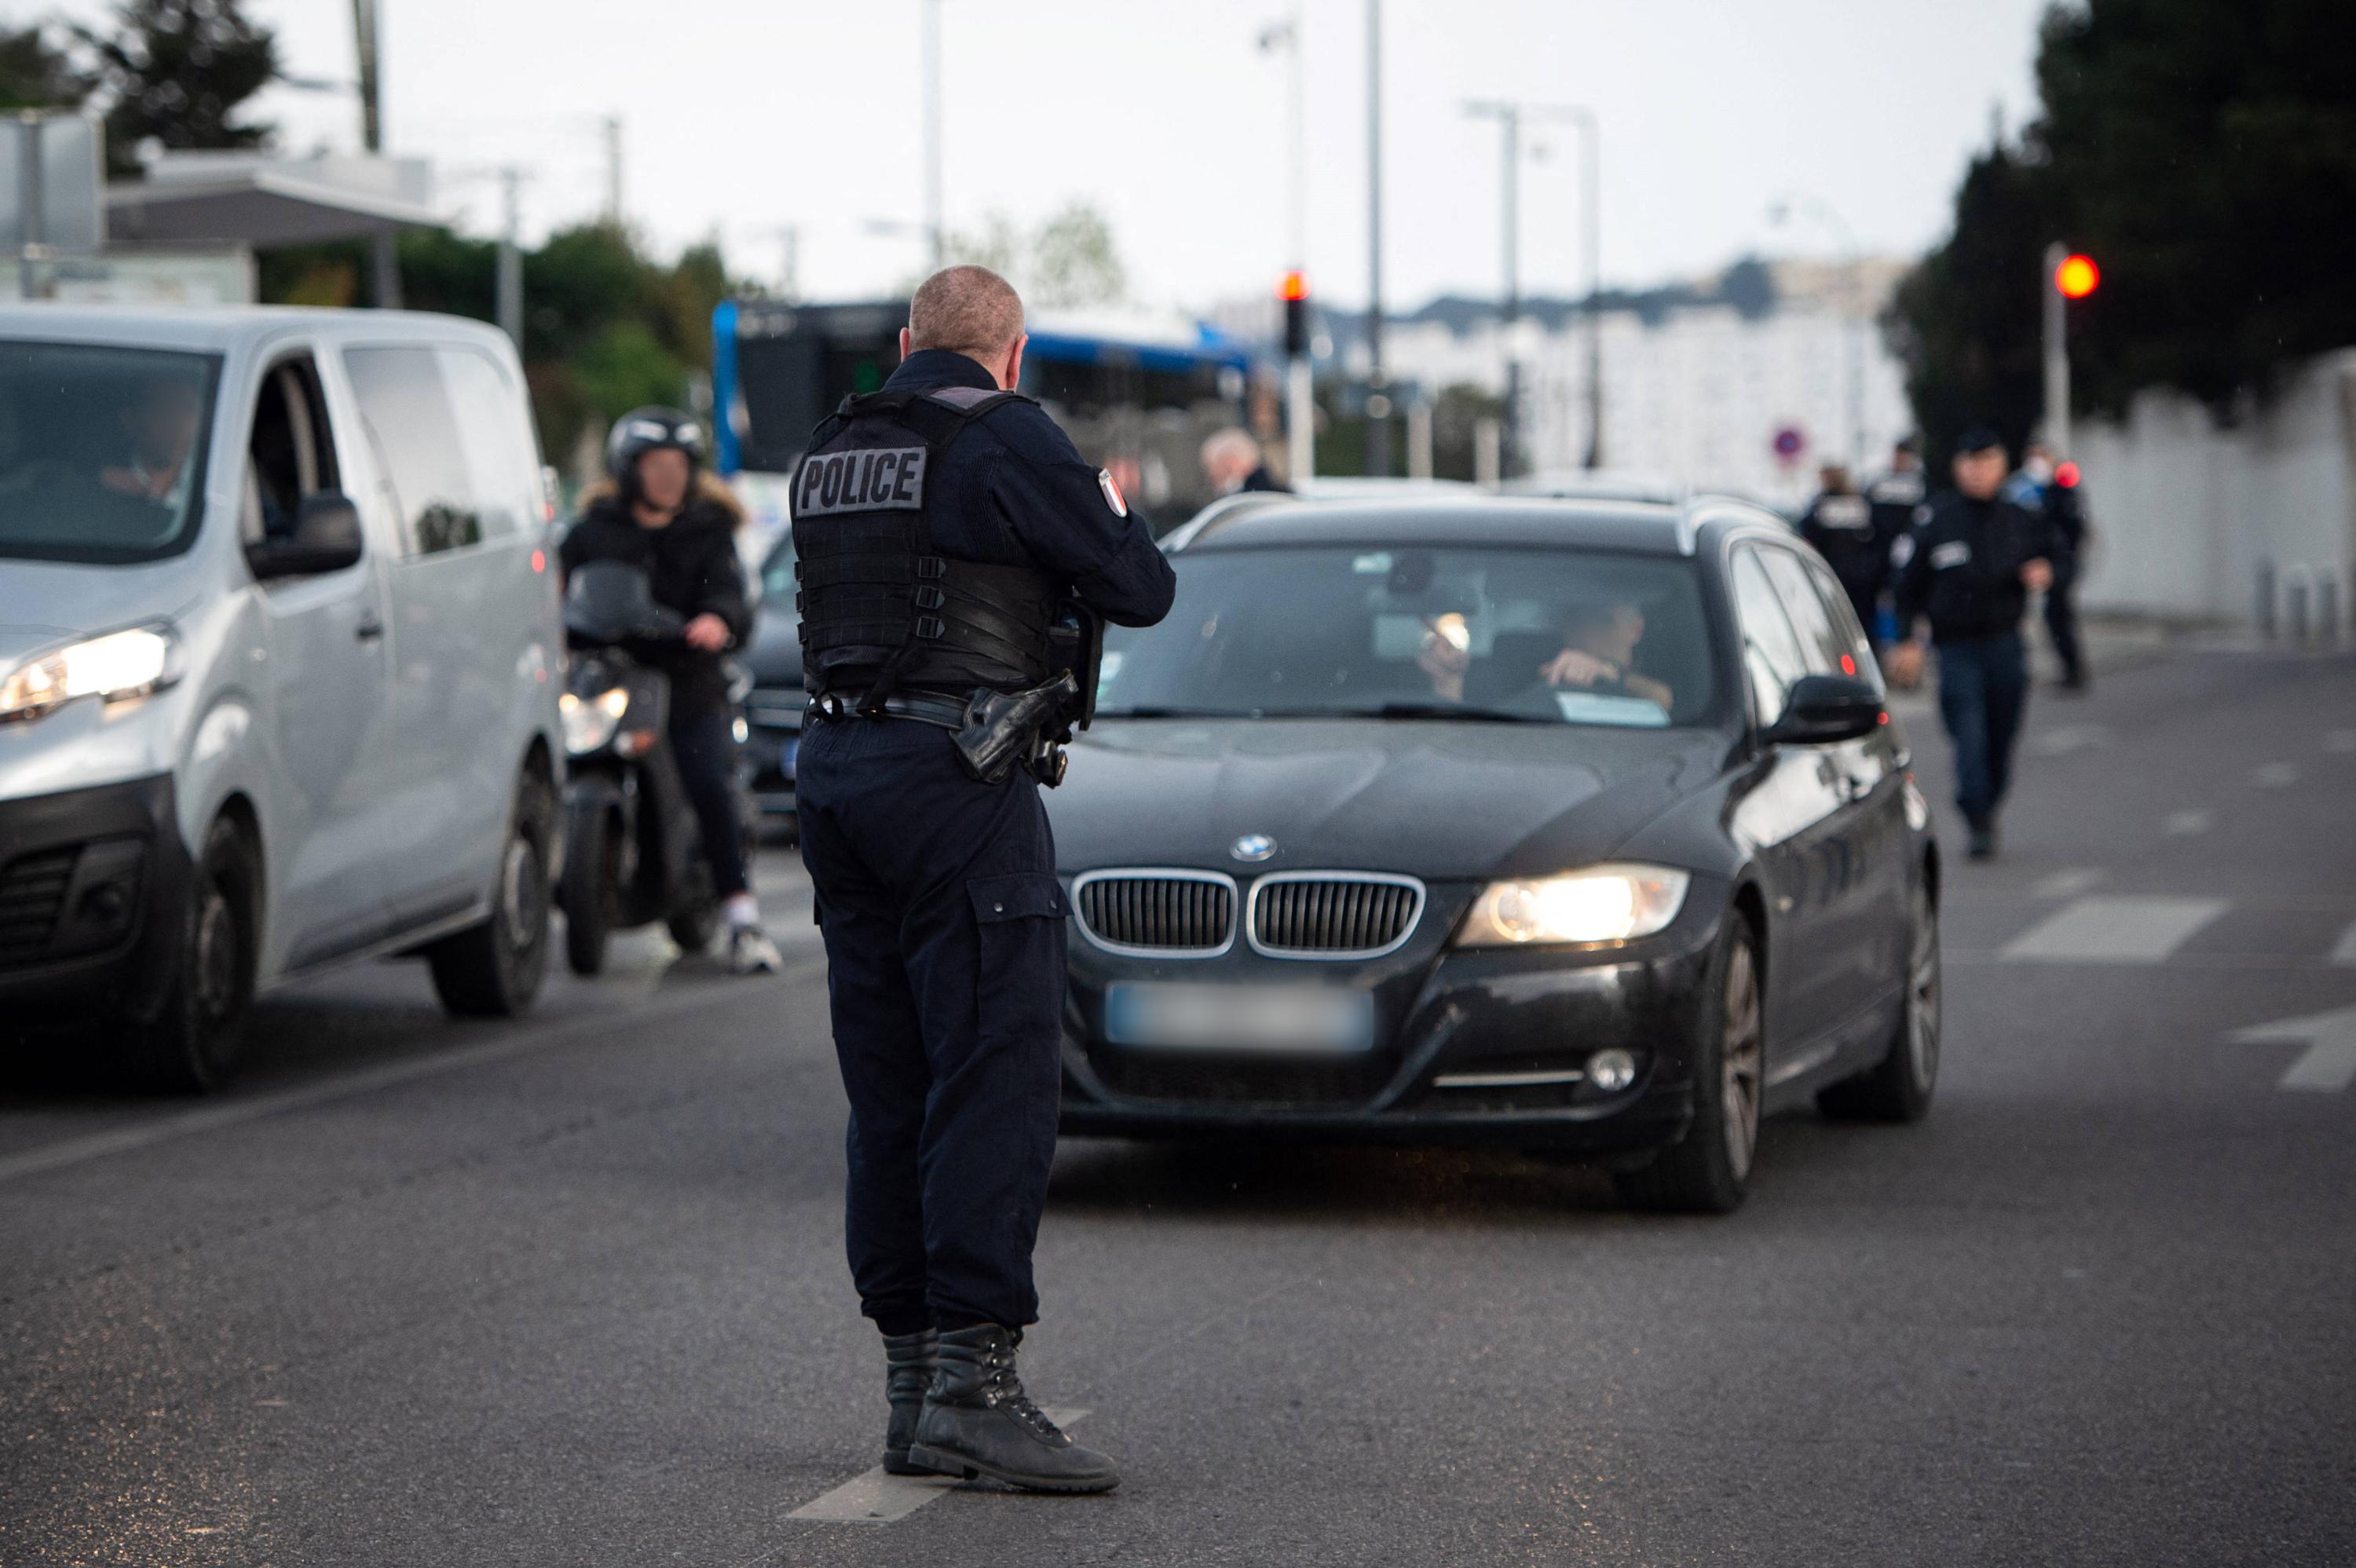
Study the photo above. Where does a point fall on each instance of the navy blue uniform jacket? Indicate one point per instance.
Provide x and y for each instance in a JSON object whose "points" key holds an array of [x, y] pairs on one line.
{"points": [[1012, 491]]}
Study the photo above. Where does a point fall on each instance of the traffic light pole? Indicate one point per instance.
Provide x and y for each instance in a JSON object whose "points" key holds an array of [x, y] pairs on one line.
{"points": [[2057, 353]]}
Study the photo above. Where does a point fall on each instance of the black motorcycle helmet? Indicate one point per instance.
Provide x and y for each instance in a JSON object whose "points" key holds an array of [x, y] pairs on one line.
{"points": [[651, 429]]}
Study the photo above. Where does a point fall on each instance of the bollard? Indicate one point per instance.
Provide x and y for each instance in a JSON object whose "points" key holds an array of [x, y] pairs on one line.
{"points": [[2297, 581], [2266, 597]]}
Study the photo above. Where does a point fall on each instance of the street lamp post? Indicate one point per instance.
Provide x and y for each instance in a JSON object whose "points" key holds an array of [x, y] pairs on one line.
{"points": [[1510, 118], [932, 53], [1301, 404], [1379, 401]]}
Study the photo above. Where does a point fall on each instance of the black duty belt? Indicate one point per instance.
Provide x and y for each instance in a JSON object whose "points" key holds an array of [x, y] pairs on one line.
{"points": [[924, 707]]}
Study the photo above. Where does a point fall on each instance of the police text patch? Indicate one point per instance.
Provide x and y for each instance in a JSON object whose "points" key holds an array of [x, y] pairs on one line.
{"points": [[892, 480], [1954, 552]]}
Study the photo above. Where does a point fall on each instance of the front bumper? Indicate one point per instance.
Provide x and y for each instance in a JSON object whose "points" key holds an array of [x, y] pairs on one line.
{"points": [[89, 878], [1472, 1047], [773, 720]]}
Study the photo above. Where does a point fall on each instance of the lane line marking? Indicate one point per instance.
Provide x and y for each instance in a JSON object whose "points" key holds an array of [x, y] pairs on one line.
{"points": [[2068, 884], [2183, 824], [872, 1496], [213, 1119], [2327, 1064], [2066, 738], [2114, 929], [2344, 954], [2275, 775], [2340, 740]]}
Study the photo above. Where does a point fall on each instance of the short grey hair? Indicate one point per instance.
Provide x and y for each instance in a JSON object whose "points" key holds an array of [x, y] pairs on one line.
{"points": [[968, 309], [1231, 445]]}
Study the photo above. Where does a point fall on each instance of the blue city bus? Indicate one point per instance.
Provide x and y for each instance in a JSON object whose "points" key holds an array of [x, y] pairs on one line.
{"points": [[1138, 397]]}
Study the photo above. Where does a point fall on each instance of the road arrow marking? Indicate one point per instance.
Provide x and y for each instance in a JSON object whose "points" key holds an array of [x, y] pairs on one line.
{"points": [[2328, 1063]]}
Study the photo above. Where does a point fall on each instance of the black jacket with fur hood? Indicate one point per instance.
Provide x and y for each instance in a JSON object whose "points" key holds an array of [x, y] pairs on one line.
{"points": [[692, 564]]}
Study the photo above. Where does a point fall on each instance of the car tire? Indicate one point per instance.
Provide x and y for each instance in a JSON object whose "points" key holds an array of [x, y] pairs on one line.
{"points": [[194, 1041], [1899, 1087], [494, 970], [591, 884], [1707, 1171]]}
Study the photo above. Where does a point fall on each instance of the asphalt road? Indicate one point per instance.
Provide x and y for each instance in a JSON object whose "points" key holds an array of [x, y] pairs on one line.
{"points": [[570, 1292]]}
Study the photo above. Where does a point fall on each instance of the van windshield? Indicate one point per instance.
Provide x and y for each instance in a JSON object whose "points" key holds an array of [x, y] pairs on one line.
{"points": [[102, 450]]}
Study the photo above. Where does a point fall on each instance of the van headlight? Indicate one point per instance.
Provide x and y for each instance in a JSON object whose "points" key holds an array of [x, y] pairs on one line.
{"points": [[114, 667], [1601, 903], [589, 721]]}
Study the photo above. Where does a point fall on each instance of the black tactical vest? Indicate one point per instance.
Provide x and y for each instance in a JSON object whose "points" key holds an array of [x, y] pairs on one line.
{"points": [[880, 609]]}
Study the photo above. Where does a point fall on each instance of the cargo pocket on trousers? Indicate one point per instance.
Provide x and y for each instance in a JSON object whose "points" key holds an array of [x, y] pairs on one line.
{"points": [[1020, 921]]}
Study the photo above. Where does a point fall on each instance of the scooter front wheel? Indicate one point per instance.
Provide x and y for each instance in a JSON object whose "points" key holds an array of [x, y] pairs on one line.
{"points": [[592, 874]]}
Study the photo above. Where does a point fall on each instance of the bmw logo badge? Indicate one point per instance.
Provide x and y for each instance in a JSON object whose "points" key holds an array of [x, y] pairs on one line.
{"points": [[1253, 846]]}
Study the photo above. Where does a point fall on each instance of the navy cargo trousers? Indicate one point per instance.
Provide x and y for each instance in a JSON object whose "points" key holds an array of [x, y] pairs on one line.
{"points": [[944, 928], [1983, 694]]}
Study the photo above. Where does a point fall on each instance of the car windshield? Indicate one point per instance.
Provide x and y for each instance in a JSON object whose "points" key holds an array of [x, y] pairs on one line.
{"points": [[1561, 636], [102, 450]]}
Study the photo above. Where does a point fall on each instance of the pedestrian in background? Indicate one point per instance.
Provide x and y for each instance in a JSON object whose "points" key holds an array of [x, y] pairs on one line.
{"points": [[1232, 462], [2054, 482], [1967, 565], [1839, 523], [940, 524]]}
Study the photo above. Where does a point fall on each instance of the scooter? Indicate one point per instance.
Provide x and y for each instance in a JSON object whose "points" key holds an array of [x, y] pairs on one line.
{"points": [[633, 854]]}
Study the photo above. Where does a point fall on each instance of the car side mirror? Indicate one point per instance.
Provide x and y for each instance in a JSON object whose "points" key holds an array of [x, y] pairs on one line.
{"points": [[1822, 708], [326, 537]]}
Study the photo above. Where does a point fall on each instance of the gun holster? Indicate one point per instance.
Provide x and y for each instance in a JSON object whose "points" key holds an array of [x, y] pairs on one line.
{"points": [[1027, 727]]}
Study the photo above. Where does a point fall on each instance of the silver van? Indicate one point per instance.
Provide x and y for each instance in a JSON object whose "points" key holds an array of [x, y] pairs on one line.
{"points": [[279, 655]]}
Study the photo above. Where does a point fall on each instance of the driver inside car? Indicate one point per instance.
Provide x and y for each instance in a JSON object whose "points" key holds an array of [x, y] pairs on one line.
{"points": [[1598, 645]]}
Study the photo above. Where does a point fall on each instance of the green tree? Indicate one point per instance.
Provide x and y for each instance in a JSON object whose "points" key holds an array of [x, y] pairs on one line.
{"points": [[1073, 262], [179, 71], [2204, 153], [35, 75], [1965, 321]]}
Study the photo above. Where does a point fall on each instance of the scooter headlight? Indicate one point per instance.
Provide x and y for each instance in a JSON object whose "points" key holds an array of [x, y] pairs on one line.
{"points": [[589, 721], [112, 669]]}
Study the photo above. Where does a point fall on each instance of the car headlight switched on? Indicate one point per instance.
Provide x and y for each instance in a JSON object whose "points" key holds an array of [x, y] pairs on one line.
{"points": [[112, 669], [1600, 903], [589, 721]]}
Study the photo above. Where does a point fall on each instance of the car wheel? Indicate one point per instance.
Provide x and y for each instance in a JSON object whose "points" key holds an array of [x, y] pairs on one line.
{"points": [[593, 879], [194, 1041], [494, 970], [1707, 1171], [1898, 1088]]}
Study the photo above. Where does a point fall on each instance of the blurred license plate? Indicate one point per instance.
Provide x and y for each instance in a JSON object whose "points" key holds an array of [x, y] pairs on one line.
{"points": [[1323, 1020]]}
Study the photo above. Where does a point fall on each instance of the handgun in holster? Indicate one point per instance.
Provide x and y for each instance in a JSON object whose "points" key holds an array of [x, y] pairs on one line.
{"points": [[1033, 726]]}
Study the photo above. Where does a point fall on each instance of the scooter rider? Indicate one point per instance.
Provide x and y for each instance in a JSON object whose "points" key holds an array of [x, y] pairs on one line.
{"points": [[660, 512]]}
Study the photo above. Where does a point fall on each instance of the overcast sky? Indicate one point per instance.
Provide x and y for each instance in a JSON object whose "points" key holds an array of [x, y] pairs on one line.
{"points": [[744, 116]]}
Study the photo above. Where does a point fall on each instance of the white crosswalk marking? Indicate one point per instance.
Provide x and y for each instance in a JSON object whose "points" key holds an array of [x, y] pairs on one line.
{"points": [[2067, 884], [2113, 928], [2275, 775], [875, 1497], [2183, 824], [2344, 952]]}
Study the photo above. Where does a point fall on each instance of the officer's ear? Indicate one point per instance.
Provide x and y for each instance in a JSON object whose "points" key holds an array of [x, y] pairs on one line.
{"points": [[903, 343], [1011, 377]]}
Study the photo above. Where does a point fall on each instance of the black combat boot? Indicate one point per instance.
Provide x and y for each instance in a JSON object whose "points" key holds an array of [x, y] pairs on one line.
{"points": [[979, 1422], [909, 1362]]}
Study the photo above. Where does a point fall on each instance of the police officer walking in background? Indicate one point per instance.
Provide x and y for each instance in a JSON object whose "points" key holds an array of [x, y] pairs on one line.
{"points": [[2053, 486], [1969, 564], [942, 525], [1839, 523]]}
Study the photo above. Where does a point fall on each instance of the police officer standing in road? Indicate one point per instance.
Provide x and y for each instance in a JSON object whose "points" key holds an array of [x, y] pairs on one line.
{"points": [[944, 526], [1893, 496], [1839, 523], [2054, 486], [1969, 564]]}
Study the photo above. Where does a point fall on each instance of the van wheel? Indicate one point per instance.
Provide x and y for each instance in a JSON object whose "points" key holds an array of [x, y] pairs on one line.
{"points": [[194, 1041], [593, 879], [494, 970], [1707, 1171]]}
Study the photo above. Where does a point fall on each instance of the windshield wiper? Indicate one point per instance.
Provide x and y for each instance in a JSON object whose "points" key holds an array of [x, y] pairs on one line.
{"points": [[1441, 711], [1159, 710]]}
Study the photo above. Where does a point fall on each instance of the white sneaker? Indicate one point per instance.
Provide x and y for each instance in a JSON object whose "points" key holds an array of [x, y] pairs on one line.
{"points": [[750, 952]]}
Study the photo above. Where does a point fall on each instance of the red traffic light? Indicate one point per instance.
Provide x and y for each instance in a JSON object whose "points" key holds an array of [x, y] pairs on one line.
{"points": [[1293, 285], [2066, 476], [2076, 277]]}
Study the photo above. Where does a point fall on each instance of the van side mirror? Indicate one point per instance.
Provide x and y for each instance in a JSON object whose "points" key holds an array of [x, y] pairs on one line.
{"points": [[1823, 707], [326, 537]]}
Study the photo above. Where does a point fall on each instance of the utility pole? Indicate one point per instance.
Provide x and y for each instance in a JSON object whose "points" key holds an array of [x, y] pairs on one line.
{"points": [[931, 18], [613, 170], [1510, 118], [1300, 400], [1379, 401], [384, 258], [510, 277], [1591, 240]]}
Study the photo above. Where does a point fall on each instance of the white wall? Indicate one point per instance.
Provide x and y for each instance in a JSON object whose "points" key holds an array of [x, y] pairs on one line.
{"points": [[2185, 512]]}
